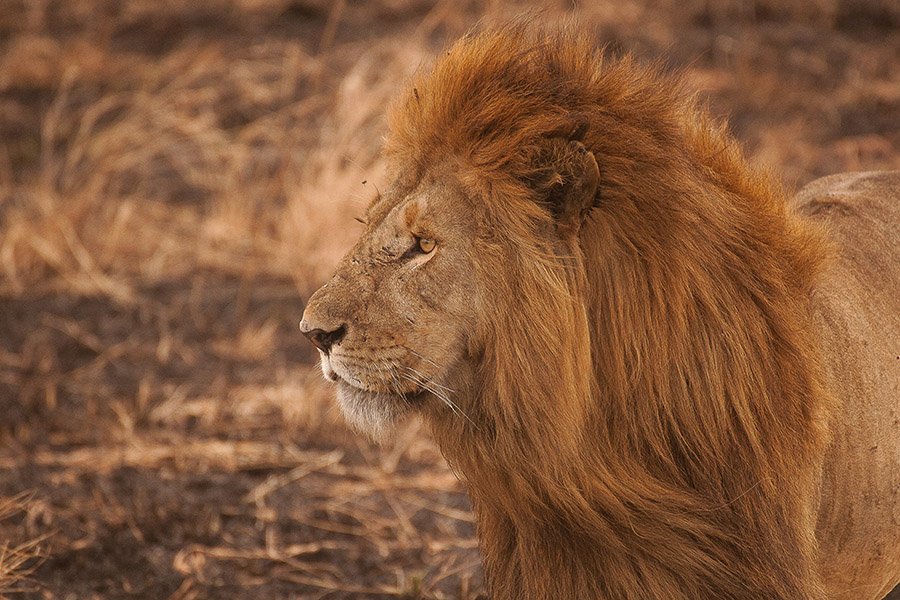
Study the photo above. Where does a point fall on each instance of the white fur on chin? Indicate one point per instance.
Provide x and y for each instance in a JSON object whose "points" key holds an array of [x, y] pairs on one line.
{"points": [[376, 415]]}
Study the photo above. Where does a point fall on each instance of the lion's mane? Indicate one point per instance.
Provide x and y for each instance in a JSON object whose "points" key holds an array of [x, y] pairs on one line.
{"points": [[651, 414]]}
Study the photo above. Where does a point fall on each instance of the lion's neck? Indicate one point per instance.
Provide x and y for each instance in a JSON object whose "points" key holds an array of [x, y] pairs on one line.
{"points": [[579, 530]]}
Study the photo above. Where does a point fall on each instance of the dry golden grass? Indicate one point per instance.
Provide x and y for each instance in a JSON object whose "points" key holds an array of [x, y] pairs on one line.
{"points": [[176, 178], [17, 560]]}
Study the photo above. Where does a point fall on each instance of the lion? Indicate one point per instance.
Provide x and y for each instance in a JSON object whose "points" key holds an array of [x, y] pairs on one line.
{"points": [[657, 376]]}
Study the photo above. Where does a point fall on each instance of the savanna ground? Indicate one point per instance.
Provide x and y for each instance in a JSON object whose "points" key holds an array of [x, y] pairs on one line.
{"points": [[177, 177]]}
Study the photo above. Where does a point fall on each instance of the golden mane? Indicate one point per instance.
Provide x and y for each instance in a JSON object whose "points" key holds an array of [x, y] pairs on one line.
{"points": [[651, 412]]}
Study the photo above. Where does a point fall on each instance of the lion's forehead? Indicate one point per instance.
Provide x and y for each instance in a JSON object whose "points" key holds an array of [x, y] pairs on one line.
{"points": [[387, 206], [407, 209], [419, 205]]}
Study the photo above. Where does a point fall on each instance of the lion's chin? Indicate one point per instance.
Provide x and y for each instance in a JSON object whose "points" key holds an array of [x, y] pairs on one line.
{"points": [[372, 413]]}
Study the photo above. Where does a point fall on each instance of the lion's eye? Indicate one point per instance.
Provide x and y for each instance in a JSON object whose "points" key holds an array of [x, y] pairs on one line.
{"points": [[426, 245]]}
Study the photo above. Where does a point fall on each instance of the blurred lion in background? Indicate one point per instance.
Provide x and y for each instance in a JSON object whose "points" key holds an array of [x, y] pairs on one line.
{"points": [[658, 378]]}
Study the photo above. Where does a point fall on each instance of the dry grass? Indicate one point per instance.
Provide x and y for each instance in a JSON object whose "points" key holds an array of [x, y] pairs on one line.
{"points": [[17, 560], [177, 177]]}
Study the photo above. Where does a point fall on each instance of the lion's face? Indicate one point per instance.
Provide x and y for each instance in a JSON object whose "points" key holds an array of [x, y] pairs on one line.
{"points": [[393, 323], [402, 324]]}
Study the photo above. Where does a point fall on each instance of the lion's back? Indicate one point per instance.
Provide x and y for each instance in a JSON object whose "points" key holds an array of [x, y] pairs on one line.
{"points": [[861, 212], [857, 309]]}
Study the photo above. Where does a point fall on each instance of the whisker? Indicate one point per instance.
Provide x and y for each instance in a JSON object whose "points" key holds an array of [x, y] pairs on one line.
{"points": [[395, 378], [437, 367], [394, 384], [440, 394], [416, 377], [437, 389]]}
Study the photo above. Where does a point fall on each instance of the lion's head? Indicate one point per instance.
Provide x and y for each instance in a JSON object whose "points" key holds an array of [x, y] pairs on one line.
{"points": [[393, 324], [469, 251], [401, 325]]}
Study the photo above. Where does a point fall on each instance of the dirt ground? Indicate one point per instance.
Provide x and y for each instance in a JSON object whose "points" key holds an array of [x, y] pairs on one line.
{"points": [[177, 177]]}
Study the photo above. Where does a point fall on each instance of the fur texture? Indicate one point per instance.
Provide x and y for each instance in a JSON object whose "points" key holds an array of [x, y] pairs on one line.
{"points": [[655, 407], [623, 369]]}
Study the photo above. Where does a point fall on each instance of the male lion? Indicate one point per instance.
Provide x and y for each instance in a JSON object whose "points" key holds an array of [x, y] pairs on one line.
{"points": [[658, 380]]}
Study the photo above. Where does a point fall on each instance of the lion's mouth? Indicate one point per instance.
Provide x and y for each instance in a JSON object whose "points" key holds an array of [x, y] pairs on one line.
{"points": [[374, 403], [410, 397], [361, 389]]}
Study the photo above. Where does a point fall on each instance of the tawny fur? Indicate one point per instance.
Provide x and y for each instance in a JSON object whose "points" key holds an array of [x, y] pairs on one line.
{"points": [[645, 403], [657, 435]]}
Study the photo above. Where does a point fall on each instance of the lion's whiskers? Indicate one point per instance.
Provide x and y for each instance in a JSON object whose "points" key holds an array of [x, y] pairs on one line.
{"points": [[394, 384], [389, 375], [440, 391], [425, 358]]}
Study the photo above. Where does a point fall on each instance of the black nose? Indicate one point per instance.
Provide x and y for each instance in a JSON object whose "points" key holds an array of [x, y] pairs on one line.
{"points": [[324, 340]]}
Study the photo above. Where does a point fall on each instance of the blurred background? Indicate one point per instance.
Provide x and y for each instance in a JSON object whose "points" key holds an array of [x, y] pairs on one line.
{"points": [[177, 177]]}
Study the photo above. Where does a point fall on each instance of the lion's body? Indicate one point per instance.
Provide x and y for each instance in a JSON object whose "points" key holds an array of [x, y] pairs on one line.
{"points": [[857, 309], [648, 367]]}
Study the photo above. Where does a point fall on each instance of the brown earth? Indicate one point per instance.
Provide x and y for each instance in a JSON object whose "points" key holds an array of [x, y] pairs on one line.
{"points": [[176, 178]]}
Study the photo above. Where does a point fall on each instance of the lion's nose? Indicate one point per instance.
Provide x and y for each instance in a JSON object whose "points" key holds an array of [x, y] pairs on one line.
{"points": [[321, 339]]}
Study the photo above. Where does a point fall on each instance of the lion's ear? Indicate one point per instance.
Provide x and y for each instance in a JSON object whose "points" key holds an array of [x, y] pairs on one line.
{"points": [[571, 183]]}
